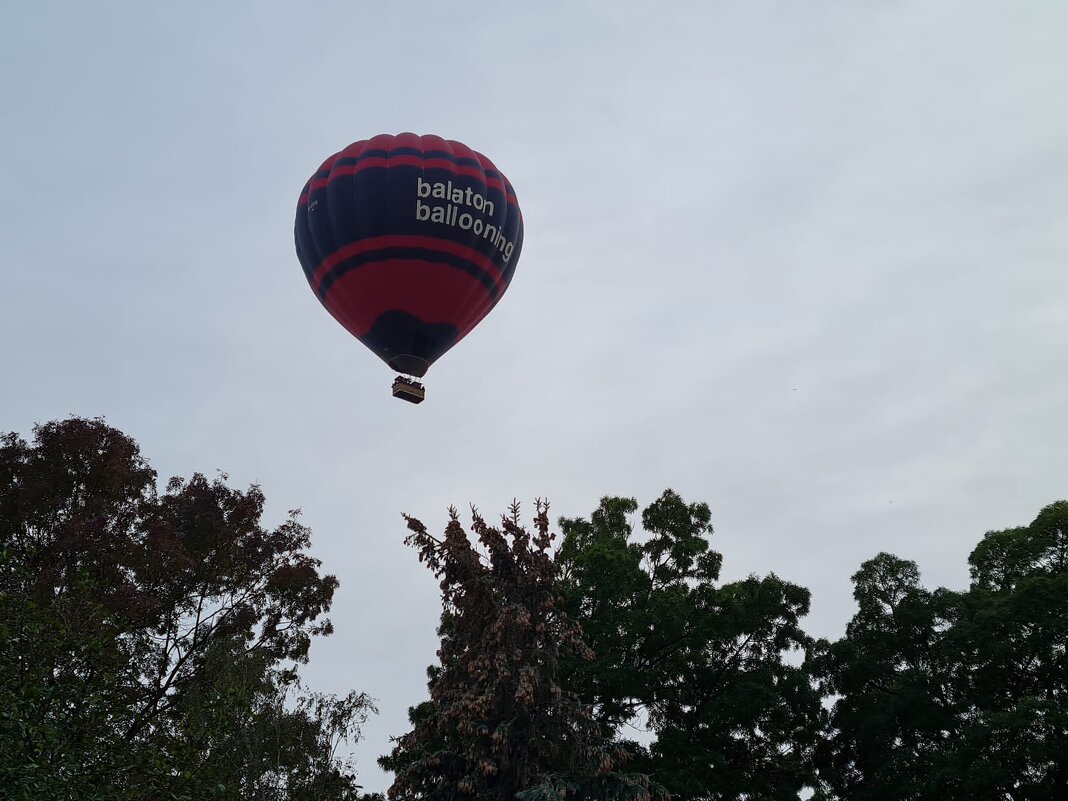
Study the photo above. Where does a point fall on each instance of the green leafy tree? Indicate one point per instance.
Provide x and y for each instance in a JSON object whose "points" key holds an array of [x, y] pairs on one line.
{"points": [[148, 640], [955, 695], [896, 705], [715, 668], [499, 724], [1013, 628]]}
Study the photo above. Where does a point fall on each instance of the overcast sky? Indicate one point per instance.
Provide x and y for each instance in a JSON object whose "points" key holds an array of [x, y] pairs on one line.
{"points": [[803, 261]]}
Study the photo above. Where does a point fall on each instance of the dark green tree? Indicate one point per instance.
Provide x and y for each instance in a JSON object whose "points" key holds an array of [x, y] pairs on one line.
{"points": [[715, 668], [1012, 627], [149, 639], [955, 695], [499, 724], [896, 706]]}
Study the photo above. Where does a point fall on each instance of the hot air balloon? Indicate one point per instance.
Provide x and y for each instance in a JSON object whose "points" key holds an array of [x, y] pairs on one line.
{"points": [[408, 241]]}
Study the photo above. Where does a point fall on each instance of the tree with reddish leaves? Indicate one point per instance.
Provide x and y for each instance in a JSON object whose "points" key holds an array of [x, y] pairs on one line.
{"points": [[149, 639], [498, 725]]}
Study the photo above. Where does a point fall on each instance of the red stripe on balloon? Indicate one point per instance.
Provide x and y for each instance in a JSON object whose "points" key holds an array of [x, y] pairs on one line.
{"points": [[414, 161], [427, 290], [407, 241]]}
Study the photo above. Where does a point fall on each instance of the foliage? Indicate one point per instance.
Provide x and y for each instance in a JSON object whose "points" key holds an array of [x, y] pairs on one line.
{"points": [[148, 639], [955, 695], [499, 724], [930, 694], [714, 668]]}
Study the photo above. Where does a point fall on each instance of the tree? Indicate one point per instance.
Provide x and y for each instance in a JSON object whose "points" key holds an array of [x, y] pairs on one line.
{"points": [[499, 725], [896, 706], [149, 640], [955, 695], [708, 664]]}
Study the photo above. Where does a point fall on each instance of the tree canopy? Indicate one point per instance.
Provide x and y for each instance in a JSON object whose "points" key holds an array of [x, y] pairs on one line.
{"points": [[955, 695], [499, 725], [149, 639], [930, 694], [715, 669]]}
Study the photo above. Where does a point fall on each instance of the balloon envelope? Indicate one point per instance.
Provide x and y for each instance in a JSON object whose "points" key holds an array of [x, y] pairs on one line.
{"points": [[408, 241]]}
